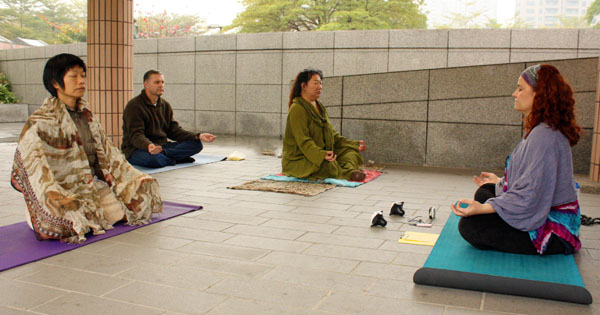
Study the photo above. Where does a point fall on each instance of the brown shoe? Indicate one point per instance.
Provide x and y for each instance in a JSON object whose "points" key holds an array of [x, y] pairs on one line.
{"points": [[358, 176]]}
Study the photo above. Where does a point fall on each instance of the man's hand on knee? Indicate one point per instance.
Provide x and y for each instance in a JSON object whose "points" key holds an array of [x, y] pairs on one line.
{"points": [[154, 149]]}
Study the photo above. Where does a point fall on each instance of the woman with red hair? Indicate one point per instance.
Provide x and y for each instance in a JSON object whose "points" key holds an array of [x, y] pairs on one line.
{"points": [[533, 209]]}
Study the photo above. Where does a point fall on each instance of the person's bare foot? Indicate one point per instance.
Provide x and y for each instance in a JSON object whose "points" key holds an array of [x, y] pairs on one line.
{"points": [[357, 176]]}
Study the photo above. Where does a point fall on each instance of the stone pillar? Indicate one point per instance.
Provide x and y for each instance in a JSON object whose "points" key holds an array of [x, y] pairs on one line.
{"points": [[595, 164], [110, 62]]}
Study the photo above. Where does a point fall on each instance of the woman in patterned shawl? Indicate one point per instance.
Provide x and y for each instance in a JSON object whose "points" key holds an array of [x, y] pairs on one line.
{"points": [[73, 178], [533, 209]]}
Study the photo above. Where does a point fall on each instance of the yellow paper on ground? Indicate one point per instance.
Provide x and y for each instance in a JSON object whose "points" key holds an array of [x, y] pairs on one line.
{"points": [[418, 238]]}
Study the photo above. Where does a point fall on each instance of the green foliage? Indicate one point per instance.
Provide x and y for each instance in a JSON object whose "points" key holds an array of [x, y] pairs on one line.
{"points": [[6, 94], [308, 15], [593, 12], [167, 25], [572, 22], [53, 21]]}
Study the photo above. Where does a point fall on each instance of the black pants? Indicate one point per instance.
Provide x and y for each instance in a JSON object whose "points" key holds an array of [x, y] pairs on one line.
{"points": [[489, 231]]}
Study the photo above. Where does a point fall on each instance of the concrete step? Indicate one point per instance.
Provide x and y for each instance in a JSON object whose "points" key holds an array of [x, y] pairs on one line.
{"points": [[13, 112]]}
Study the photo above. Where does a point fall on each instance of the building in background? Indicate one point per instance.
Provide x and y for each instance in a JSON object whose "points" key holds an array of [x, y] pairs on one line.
{"points": [[440, 12], [547, 13]]}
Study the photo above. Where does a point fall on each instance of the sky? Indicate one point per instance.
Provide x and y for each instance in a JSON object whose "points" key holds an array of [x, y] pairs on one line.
{"points": [[222, 12]]}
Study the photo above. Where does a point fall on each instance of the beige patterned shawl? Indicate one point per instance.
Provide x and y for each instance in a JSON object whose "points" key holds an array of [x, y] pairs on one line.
{"points": [[52, 168]]}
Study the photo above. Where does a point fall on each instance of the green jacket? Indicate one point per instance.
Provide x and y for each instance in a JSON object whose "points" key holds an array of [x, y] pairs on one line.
{"points": [[308, 136]]}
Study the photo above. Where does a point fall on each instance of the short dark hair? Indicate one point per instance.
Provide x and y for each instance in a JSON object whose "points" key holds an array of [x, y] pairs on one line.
{"points": [[303, 77], [149, 73], [55, 69]]}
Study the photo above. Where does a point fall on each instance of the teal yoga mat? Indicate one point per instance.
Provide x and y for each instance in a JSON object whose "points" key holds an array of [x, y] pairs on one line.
{"points": [[454, 263]]}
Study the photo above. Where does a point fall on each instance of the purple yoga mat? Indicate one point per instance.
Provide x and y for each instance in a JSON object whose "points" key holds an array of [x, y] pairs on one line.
{"points": [[18, 245]]}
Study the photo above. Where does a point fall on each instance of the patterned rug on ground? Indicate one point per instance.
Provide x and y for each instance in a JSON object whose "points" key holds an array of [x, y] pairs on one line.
{"points": [[18, 245], [298, 188]]}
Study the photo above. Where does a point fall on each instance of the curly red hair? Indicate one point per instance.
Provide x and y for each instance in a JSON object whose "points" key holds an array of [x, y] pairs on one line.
{"points": [[553, 104]]}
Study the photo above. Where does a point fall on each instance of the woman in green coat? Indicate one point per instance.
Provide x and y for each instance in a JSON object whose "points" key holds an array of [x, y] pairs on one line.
{"points": [[312, 149]]}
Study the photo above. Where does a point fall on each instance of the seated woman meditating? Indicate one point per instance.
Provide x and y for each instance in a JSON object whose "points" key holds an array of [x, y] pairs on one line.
{"points": [[73, 178], [312, 149], [534, 207]]}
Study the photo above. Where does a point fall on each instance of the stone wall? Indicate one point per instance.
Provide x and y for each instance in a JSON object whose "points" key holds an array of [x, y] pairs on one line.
{"points": [[456, 117], [239, 84]]}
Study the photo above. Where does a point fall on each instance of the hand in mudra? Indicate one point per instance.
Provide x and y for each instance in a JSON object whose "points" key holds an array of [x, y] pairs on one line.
{"points": [[207, 137], [486, 178], [362, 146], [330, 156]]}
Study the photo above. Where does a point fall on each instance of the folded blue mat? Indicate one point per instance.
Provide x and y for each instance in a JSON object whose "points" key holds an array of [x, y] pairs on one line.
{"points": [[333, 181], [199, 159], [455, 263]]}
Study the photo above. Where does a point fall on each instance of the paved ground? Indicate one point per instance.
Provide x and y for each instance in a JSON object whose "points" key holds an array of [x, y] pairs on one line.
{"points": [[267, 253]]}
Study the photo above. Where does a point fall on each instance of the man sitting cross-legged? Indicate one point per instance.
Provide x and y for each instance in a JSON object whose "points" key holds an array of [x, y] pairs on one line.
{"points": [[148, 124]]}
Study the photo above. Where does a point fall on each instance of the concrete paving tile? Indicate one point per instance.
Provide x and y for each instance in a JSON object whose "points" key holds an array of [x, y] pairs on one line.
{"points": [[262, 206], [374, 232], [351, 303], [405, 290], [364, 220], [98, 246], [201, 200], [414, 259], [198, 223], [10, 219], [245, 212], [224, 216], [204, 193], [296, 217], [332, 213], [75, 304], [333, 281], [90, 262], [319, 204], [343, 200], [321, 238], [465, 311], [193, 234], [151, 240], [270, 291], [13, 311], [166, 298], [23, 295], [75, 280], [280, 199], [144, 254], [301, 226], [225, 265], [268, 243], [24, 270], [353, 253], [179, 277], [222, 250], [525, 305], [241, 306], [406, 248], [385, 271], [265, 231], [309, 261]]}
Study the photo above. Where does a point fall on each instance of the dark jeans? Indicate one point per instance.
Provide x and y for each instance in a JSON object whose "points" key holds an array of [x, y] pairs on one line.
{"points": [[489, 231], [171, 152]]}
